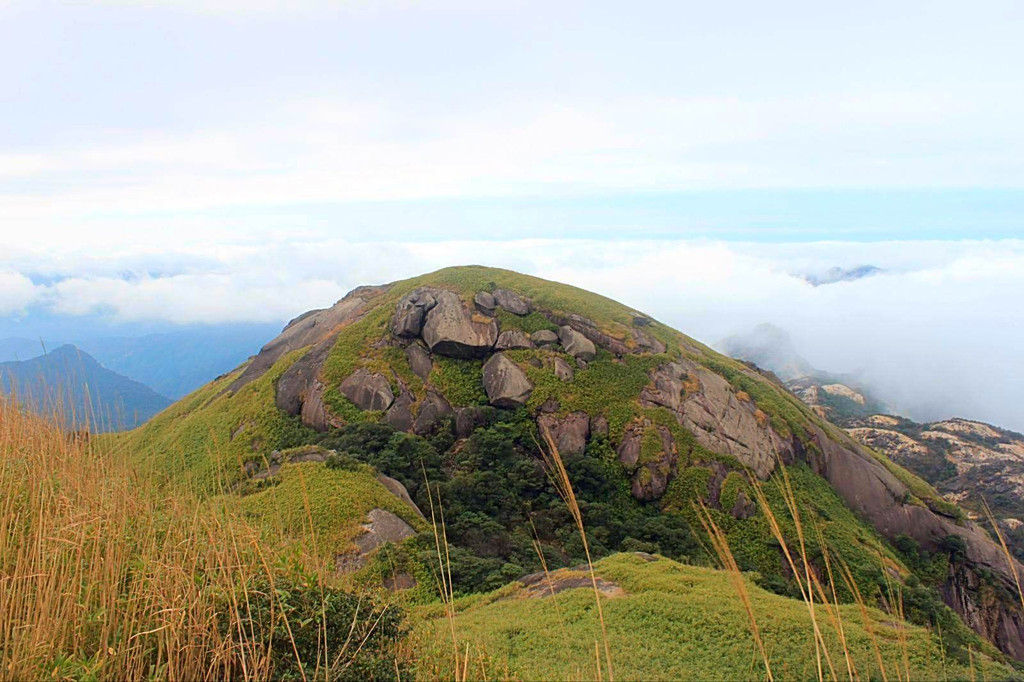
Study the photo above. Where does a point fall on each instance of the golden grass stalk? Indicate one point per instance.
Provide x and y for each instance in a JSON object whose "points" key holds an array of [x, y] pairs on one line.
{"points": [[1006, 550], [104, 574], [560, 478], [725, 556]]}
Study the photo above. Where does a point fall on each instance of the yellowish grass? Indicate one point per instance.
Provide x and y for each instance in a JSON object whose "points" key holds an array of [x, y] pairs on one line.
{"points": [[104, 575]]}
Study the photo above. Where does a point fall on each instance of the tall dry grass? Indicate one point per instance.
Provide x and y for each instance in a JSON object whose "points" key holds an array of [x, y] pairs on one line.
{"points": [[103, 575], [818, 592]]}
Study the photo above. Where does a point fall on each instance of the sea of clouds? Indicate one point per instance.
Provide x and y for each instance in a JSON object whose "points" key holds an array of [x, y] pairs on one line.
{"points": [[937, 333]]}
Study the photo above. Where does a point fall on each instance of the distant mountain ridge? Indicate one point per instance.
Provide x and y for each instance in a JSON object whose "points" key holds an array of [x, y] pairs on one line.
{"points": [[172, 363], [838, 274], [71, 383]]}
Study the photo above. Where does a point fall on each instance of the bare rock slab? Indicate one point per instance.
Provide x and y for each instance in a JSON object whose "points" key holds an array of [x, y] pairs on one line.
{"points": [[506, 385]]}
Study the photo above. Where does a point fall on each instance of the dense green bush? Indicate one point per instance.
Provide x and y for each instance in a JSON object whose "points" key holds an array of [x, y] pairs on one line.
{"points": [[316, 631]]}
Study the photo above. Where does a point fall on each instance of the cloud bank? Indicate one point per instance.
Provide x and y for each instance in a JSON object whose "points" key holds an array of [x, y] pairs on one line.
{"points": [[938, 332]]}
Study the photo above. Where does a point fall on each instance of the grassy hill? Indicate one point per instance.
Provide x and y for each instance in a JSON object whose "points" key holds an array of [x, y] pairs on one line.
{"points": [[652, 426]]}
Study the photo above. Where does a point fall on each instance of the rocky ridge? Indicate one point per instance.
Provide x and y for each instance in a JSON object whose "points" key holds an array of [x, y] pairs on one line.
{"points": [[518, 343]]}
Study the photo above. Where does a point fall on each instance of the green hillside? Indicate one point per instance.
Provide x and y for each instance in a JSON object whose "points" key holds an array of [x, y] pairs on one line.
{"points": [[670, 621], [411, 380]]}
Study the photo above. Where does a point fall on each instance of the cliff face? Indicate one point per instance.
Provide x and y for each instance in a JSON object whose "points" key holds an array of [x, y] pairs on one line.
{"points": [[447, 355]]}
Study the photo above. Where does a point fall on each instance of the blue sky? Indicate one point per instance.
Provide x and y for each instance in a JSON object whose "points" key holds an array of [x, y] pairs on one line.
{"points": [[177, 162]]}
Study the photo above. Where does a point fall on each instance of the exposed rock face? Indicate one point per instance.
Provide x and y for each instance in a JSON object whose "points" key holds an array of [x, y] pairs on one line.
{"points": [[484, 301], [562, 369], [411, 313], [719, 418], [576, 344], [867, 487], [544, 337], [368, 391], [419, 360], [309, 329], [599, 425], [964, 593], [506, 385], [629, 449], [381, 527], [589, 330], [646, 343], [300, 392], [452, 330], [400, 414], [512, 302], [396, 488], [513, 339], [570, 433], [433, 409]]}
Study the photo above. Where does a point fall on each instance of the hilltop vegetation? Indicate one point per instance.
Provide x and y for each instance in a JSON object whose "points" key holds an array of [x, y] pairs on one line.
{"points": [[431, 396]]}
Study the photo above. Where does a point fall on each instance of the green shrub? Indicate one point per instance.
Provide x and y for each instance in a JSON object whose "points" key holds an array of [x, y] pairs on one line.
{"points": [[317, 631]]}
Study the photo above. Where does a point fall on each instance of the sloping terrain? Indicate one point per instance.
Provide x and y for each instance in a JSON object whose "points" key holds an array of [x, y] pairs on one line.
{"points": [[667, 621], [440, 384], [969, 462], [69, 382]]}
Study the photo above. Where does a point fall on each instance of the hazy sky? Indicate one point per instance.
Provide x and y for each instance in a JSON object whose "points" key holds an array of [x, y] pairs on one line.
{"points": [[205, 161]]}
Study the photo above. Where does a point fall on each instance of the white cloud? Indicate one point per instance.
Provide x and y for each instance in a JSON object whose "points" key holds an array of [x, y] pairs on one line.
{"points": [[16, 292], [939, 331]]}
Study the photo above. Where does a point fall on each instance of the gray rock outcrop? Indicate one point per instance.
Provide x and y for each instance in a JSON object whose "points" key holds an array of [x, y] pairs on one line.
{"points": [[485, 301], [513, 339], [720, 418], [450, 329], [368, 391], [419, 360], [576, 344], [570, 433], [411, 313], [544, 337], [381, 527], [400, 413], [505, 384], [433, 409], [562, 369], [512, 302]]}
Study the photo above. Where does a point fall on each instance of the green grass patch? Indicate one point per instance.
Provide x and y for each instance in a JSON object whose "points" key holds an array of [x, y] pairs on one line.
{"points": [[332, 503], [673, 622]]}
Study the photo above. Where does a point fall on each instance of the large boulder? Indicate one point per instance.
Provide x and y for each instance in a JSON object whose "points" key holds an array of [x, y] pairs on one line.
{"points": [[562, 369], [570, 433], [512, 302], [485, 302], [419, 360], [368, 391], [400, 414], [506, 385], [396, 488], [576, 344], [433, 409], [381, 527], [450, 329], [411, 311], [544, 337], [513, 339]]}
